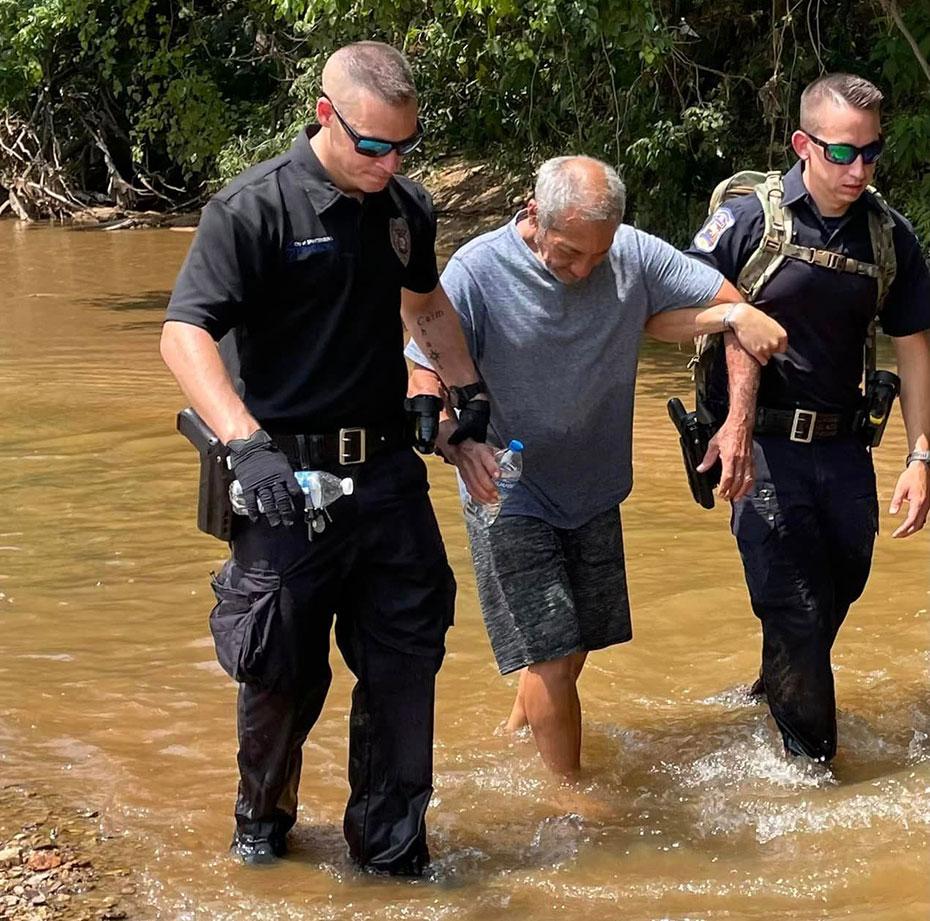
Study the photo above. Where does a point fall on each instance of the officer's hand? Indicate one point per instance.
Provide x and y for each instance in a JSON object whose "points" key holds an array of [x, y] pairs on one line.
{"points": [[913, 487], [472, 422], [475, 463], [757, 332], [265, 476], [733, 446]]}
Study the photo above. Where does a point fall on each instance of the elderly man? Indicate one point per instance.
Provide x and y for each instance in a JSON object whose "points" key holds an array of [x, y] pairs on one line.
{"points": [[308, 261], [554, 305]]}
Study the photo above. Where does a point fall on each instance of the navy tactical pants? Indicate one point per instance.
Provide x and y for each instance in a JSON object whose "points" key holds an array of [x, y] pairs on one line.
{"points": [[806, 536], [381, 570]]}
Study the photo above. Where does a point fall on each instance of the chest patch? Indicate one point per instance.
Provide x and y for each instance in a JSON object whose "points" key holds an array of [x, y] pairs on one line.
{"points": [[400, 239], [717, 225], [300, 249]]}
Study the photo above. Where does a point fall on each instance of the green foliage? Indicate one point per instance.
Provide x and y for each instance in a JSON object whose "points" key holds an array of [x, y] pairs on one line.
{"points": [[677, 93]]}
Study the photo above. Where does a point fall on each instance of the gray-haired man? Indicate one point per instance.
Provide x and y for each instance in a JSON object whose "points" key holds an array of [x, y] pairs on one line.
{"points": [[553, 306]]}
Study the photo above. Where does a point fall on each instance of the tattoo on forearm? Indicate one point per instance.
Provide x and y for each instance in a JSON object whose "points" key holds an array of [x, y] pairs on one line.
{"points": [[425, 318], [431, 352]]}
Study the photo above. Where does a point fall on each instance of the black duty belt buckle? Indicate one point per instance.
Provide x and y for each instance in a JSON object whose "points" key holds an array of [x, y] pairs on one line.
{"points": [[352, 446], [802, 426]]}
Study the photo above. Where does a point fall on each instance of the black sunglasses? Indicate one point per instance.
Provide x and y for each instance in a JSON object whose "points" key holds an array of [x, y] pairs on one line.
{"points": [[377, 147], [844, 154]]}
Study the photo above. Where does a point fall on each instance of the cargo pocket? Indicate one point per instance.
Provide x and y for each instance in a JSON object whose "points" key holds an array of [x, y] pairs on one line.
{"points": [[755, 519], [243, 619]]}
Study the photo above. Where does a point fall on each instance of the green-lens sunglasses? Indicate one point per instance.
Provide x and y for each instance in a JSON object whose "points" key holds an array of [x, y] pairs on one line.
{"points": [[377, 147], [844, 154]]}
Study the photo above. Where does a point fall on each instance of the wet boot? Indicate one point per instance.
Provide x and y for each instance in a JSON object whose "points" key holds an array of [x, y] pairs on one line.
{"points": [[757, 691], [257, 851]]}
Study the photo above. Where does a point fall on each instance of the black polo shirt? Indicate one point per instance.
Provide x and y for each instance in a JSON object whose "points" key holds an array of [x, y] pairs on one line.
{"points": [[825, 313], [307, 281]]}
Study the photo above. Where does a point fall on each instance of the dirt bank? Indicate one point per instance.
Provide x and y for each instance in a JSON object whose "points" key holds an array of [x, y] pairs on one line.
{"points": [[58, 862]]}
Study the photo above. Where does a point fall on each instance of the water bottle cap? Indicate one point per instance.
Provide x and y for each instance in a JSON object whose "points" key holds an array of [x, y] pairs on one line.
{"points": [[348, 485], [515, 446]]}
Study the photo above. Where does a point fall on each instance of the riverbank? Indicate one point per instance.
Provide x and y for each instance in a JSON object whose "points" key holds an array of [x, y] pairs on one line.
{"points": [[470, 197], [59, 862]]}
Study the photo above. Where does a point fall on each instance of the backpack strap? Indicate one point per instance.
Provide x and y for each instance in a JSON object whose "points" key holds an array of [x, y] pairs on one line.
{"points": [[827, 259], [881, 231], [769, 256]]}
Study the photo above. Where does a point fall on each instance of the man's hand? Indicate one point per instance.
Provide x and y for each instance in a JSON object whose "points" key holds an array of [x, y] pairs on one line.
{"points": [[265, 476], [475, 463], [913, 487], [757, 332], [733, 446], [473, 421]]}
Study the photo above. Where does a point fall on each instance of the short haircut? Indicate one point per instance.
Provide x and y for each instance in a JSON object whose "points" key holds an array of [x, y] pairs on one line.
{"points": [[378, 69], [562, 187], [840, 90]]}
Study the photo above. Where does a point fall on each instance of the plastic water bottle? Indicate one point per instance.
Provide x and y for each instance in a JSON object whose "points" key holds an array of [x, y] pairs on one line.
{"points": [[510, 463], [320, 488]]}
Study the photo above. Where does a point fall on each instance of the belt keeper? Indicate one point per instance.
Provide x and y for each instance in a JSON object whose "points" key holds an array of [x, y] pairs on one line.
{"points": [[303, 452]]}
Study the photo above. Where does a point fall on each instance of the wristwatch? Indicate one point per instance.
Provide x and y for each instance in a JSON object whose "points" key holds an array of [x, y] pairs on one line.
{"points": [[462, 395], [923, 456]]}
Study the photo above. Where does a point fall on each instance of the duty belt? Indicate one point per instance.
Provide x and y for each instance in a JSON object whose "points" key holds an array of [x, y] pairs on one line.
{"points": [[346, 447], [802, 425]]}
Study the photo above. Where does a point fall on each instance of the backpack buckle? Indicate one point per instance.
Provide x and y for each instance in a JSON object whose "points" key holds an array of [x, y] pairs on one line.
{"points": [[831, 260], [771, 244]]}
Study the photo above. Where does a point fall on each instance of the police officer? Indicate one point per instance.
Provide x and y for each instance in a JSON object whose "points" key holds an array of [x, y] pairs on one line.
{"points": [[303, 260], [806, 531]]}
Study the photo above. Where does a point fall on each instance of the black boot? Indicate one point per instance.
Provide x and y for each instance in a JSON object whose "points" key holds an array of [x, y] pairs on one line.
{"points": [[257, 851]]}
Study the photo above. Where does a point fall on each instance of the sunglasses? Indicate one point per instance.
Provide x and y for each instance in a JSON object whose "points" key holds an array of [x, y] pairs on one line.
{"points": [[844, 154], [377, 147]]}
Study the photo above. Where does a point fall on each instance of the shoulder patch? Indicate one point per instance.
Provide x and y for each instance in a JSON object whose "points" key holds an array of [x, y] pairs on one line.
{"points": [[400, 239], [717, 225]]}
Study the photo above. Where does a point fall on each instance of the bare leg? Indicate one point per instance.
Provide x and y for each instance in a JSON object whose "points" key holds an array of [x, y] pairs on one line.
{"points": [[517, 719], [550, 699]]}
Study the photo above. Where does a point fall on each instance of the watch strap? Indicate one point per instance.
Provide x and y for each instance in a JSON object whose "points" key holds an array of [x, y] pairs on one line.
{"points": [[462, 395], [923, 456]]}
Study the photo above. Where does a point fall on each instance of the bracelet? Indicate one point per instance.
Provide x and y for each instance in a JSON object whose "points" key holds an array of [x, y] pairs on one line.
{"points": [[727, 324], [922, 456]]}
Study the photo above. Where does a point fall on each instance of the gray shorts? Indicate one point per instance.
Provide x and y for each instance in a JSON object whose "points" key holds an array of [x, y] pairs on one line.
{"points": [[546, 592]]}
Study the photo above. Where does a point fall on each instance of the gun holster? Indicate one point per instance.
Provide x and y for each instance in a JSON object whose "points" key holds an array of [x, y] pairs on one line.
{"points": [[694, 436], [881, 390], [214, 512]]}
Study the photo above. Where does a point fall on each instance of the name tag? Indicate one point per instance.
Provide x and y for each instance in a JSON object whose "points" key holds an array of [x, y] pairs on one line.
{"points": [[301, 249]]}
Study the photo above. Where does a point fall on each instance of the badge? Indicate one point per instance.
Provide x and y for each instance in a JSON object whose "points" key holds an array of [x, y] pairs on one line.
{"points": [[717, 224], [400, 239]]}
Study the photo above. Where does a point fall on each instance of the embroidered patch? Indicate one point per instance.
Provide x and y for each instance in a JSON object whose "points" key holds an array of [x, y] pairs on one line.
{"points": [[300, 249], [400, 239], [717, 224]]}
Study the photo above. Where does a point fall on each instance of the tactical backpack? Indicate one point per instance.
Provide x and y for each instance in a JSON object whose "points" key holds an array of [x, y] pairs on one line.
{"points": [[776, 245]]}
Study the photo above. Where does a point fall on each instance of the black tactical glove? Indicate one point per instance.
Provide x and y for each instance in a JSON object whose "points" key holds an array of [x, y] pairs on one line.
{"points": [[265, 476], [474, 417], [423, 419]]}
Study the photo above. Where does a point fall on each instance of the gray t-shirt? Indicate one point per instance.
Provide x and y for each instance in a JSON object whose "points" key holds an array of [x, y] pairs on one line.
{"points": [[560, 360]]}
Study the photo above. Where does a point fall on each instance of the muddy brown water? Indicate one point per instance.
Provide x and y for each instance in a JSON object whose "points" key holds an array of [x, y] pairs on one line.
{"points": [[110, 696]]}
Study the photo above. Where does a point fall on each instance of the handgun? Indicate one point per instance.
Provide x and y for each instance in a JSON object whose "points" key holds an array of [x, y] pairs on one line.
{"points": [[694, 436], [214, 513]]}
